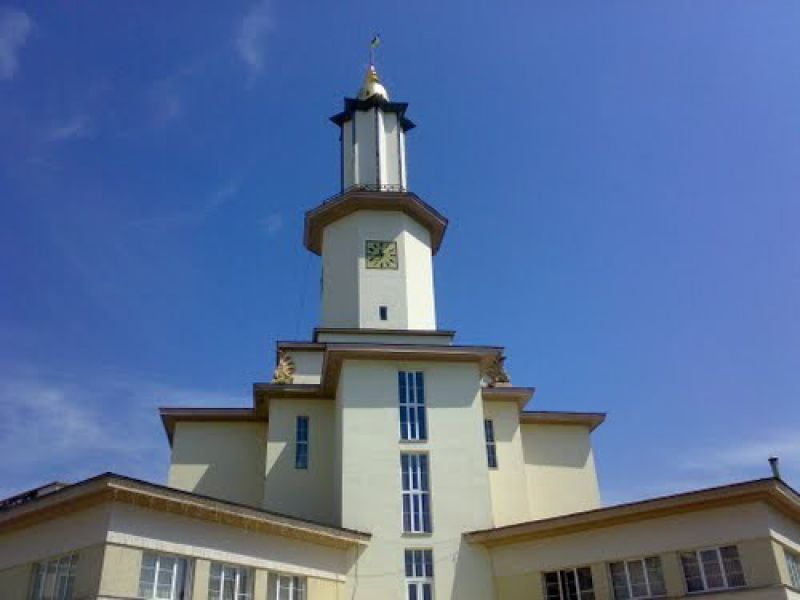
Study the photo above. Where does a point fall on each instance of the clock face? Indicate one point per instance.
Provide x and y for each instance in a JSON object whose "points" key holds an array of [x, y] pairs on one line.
{"points": [[381, 255]]}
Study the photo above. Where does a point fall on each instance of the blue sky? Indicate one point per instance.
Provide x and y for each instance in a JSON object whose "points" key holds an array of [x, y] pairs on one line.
{"points": [[621, 177]]}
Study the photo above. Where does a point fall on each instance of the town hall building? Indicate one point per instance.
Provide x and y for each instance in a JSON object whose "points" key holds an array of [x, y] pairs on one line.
{"points": [[386, 461]]}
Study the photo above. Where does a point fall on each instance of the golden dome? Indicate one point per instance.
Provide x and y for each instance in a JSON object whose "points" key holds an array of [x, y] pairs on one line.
{"points": [[372, 86]]}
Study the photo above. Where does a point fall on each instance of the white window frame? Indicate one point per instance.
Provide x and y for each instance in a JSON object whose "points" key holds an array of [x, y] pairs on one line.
{"points": [[413, 419], [725, 575], [793, 566], [416, 493], [418, 579], [296, 586], [54, 578], [242, 581], [178, 560], [645, 570], [561, 591], [491, 443], [301, 444]]}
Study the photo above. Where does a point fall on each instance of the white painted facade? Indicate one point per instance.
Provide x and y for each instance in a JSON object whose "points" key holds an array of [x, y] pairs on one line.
{"points": [[352, 294], [373, 150]]}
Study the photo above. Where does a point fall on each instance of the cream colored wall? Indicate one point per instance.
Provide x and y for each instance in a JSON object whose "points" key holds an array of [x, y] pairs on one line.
{"points": [[508, 481], [305, 493], [785, 530], [220, 459], [88, 571], [352, 293], [54, 537], [121, 568], [560, 470], [644, 538], [141, 528], [15, 582], [308, 366], [418, 257], [340, 269], [371, 486]]}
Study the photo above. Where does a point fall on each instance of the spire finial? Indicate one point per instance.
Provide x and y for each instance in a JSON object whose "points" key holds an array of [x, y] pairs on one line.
{"points": [[376, 41], [372, 84]]}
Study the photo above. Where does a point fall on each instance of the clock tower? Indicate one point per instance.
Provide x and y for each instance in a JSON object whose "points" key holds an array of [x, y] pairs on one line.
{"points": [[376, 239]]}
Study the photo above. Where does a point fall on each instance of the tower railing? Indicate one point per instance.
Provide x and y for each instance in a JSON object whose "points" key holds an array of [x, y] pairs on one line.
{"points": [[368, 187]]}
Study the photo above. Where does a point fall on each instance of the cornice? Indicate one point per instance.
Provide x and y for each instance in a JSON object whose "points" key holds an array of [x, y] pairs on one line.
{"points": [[110, 487], [349, 202], [591, 420], [772, 491]]}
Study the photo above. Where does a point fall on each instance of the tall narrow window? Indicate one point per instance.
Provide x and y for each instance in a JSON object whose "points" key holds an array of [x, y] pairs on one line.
{"points": [[491, 446], [641, 578], [419, 575], [569, 584], [416, 493], [301, 444], [164, 577], [411, 387], [712, 569], [227, 582], [54, 578]]}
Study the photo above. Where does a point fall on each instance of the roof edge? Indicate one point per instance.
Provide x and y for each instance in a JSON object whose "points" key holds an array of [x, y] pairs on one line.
{"points": [[120, 488], [771, 490], [592, 420]]}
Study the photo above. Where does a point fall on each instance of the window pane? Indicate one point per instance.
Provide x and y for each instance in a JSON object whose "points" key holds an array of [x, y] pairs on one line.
{"points": [[551, 586], [655, 576], [569, 585], [427, 591], [712, 569], [585, 586], [619, 581], [691, 572], [428, 563], [637, 579], [732, 566]]}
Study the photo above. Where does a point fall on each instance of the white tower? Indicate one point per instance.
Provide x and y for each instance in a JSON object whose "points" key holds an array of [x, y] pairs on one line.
{"points": [[376, 239], [373, 138]]}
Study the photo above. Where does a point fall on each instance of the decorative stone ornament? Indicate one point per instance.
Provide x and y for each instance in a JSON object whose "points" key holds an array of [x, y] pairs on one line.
{"points": [[496, 375], [284, 372]]}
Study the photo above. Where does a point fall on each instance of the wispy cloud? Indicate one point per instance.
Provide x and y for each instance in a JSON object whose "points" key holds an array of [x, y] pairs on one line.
{"points": [[746, 454], [76, 126], [251, 37], [272, 224], [15, 26], [165, 102], [702, 467], [68, 428], [197, 214]]}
